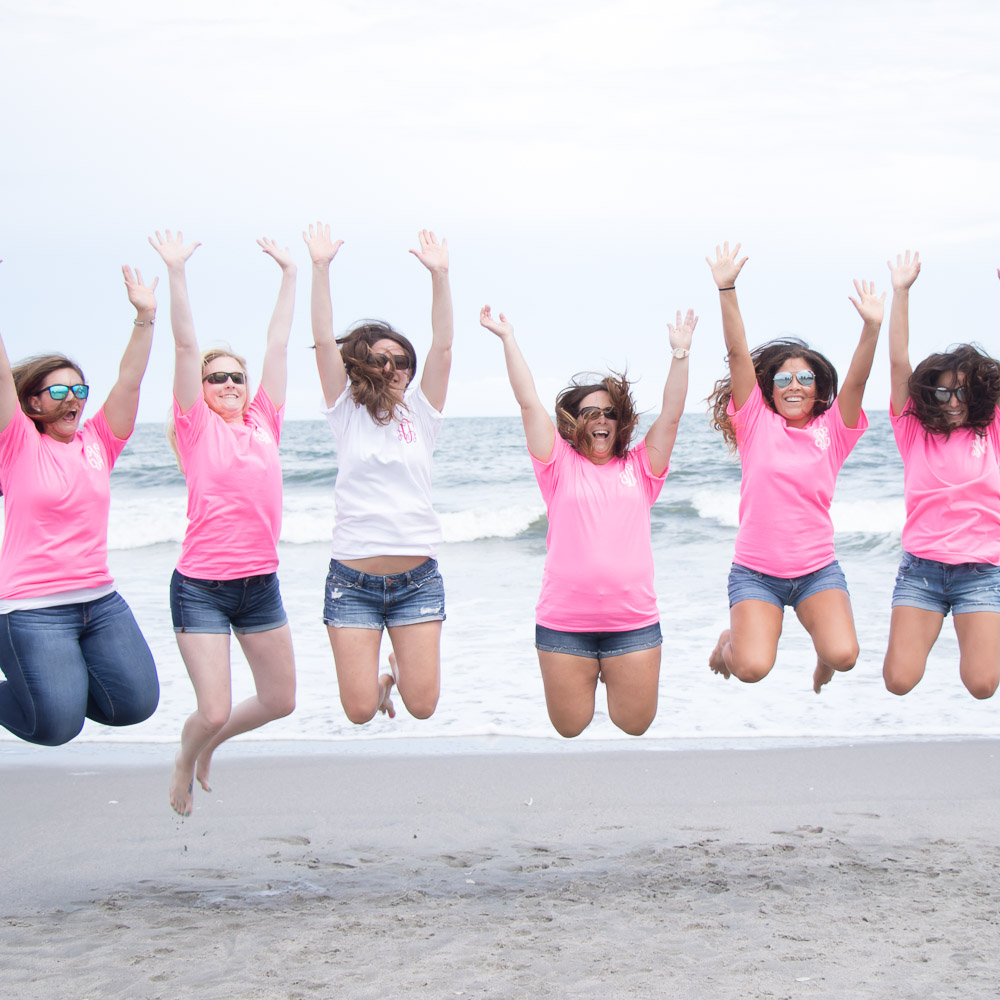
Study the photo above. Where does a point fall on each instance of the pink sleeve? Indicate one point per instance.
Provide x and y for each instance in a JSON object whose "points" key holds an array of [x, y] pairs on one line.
{"points": [[111, 446], [546, 473], [12, 441], [650, 483], [263, 409], [746, 417]]}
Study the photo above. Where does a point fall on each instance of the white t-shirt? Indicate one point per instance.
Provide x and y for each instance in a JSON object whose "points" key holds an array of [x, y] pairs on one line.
{"points": [[383, 492]]}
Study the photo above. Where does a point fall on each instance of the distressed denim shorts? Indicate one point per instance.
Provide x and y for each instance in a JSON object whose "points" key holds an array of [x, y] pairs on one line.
{"points": [[249, 604], [937, 586], [749, 585], [364, 600], [597, 645]]}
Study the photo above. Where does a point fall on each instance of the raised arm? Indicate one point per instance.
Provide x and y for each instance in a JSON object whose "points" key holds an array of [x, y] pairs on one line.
{"points": [[123, 401], [852, 390], [437, 366], [8, 394], [903, 275], [332, 373], [661, 435], [725, 270], [187, 356], [539, 432], [274, 379]]}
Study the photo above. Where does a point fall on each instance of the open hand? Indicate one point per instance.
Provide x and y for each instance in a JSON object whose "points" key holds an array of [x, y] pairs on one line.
{"points": [[433, 255], [283, 257], [141, 295], [869, 306], [905, 272], [321, 248], [681, 334], [500, 327], [172, 249], [726, 268]]}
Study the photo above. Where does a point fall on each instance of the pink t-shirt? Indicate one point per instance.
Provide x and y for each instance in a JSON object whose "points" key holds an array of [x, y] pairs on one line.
{"points": [[599, 569], [789, 475], [951, 487], [56, 500], [234, 490]]}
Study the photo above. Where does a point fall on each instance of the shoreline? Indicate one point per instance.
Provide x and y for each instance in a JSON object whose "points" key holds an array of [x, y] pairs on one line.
{"points": [[862, 870], [143, 753]]}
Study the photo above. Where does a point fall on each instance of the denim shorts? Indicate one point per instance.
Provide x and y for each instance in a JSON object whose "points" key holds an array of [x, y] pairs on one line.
{"points": [[937, 586], [597, 645], [364, 600], [749, 585], [249, 604]]}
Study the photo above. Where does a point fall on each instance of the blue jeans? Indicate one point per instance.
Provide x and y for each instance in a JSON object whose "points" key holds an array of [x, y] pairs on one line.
{"points": [[249, 604], [363, 600], [72, 662], [749, 585], [961, 588]]}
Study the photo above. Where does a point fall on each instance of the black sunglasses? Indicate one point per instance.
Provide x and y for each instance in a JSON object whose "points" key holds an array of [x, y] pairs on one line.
{"points": [[217, 378], [401, 361], [593, 412], [943, 394], [80, 390]]}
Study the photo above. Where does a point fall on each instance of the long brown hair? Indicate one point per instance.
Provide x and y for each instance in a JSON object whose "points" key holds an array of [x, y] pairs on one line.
{"points": [[982, 388], [32, 372], [574, 430], [767, 360], [371, 382]]}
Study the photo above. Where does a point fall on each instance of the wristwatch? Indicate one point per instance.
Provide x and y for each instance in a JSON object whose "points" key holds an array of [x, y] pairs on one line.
{"points": [[680, 353]]}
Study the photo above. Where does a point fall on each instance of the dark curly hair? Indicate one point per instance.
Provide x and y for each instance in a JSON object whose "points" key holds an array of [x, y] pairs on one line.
{"points": [[371, 383], [980, 375], [767, 361], [573, 430]]}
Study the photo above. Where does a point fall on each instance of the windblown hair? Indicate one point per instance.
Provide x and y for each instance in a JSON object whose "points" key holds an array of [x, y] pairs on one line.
{"points": [[981, 377], [767, 361], [32, 372], [371, 382], [574, 430], [206, 358]]}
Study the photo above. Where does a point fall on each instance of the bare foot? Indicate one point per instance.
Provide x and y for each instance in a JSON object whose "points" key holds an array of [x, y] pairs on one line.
{"points": [[823, 674], [181, 790], [385, 683], [204, 765], [717, 661]]}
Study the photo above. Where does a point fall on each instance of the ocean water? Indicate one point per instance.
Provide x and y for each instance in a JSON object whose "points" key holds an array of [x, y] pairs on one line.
{"points": [[494, 529]]}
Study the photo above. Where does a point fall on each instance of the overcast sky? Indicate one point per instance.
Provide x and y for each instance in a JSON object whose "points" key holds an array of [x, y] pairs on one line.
{"points": [[582, 157]]}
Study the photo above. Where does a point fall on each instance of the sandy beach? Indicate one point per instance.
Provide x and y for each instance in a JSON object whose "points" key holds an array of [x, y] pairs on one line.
{"points": [[852, 871]]}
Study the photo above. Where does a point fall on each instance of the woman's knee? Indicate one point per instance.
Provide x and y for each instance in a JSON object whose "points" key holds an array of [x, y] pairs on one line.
{"points": [[422, 706], [359, 710], [750, 670], [56, 729], [570, 725], [898, 680], [981, 686], [634, 724], [841, 658]]}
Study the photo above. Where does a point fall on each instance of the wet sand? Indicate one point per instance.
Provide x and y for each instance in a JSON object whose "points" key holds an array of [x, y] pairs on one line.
{"points": [[853, 871]]}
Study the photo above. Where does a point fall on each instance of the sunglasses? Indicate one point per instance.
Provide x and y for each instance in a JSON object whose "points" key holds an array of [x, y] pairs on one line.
{"points": [[593, 412], [805, 378], [943, 394], [62, 391], [401, 361], [217, 378]]}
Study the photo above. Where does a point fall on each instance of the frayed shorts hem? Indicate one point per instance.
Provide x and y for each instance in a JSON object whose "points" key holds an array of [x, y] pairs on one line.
{"points": [[598, 645]]}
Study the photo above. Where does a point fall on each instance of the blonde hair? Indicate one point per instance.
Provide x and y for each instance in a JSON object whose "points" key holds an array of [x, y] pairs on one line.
{"points": [[206, 358]]}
